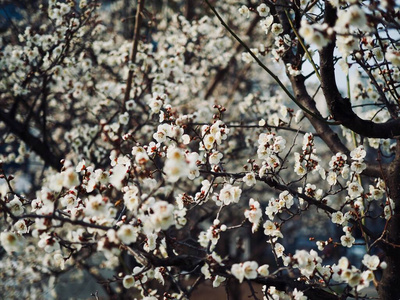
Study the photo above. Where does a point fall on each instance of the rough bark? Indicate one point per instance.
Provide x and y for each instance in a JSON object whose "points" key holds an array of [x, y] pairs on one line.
{"points": [[389, 286]]}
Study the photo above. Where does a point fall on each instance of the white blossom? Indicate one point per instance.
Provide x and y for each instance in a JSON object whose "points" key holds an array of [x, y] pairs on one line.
{"points": [[371, 261], [244, 11], [263, 10], [249, 179], [355, 189], [250, 269], [127, 234], [263, 270], [338, 218], [238, 271], [358, 153], [254, 214], [279, 249], [161, 215], [230, 194], [128, 281], [347, 240], [11, 242]]}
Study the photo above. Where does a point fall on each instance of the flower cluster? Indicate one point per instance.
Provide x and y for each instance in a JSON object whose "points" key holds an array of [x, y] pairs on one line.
{"points": [[307, 161], [275, 206], [155, 160], [269, 147], [249, 270]]}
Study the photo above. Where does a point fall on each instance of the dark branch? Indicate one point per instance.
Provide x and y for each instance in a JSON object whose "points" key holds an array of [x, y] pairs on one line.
{"points": [[33, 142], [340, 107]]}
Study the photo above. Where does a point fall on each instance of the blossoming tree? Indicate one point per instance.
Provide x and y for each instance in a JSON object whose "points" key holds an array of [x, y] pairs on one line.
{"points": [[161, 148]]}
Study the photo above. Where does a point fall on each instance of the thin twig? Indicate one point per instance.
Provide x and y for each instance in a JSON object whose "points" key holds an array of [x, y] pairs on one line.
{"points": [[136, 35], [303, 46]]}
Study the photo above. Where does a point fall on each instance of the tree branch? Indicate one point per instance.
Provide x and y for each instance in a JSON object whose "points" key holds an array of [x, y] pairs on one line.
{"points": [[340, 107], [33, 142]]}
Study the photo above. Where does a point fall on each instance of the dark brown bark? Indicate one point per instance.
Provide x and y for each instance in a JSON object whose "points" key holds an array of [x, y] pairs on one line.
{"points": [[323, 129], [325, 132], [190, 9], [389, 286], [340, 107]]}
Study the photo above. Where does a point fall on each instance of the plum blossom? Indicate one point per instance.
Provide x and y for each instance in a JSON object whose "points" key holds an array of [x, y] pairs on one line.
{"points": [[371, 261], [354, 17], [11, 242], [393, 55], [246, 270], [127, 234], [355, 190], [238, 272], [276, 29], [250, 179], [123, 119], [347, 240], [70, 178], [218, 280], [314, 34], [21, 226], [331, 178], [215, 157], [150, 243], [128, 281], [263, 10], [358, 166], [156, 102], [162, 216], [96, 206], [244, 11], [131, 198], [299, 295], [338, 218], [163, 131], [229, 194], [307, 261], [141, 156], [263, 270], [254, 214], [250, 269], [48, 243], [287, 198], [358, 153], [270, 229], [266, 23], [15, 206], [376, 193], [279, 250], [176, 165], [118, 174]]}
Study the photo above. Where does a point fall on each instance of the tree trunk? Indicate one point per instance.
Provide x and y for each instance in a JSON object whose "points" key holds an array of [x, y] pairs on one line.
{"points": [[389, 287]]}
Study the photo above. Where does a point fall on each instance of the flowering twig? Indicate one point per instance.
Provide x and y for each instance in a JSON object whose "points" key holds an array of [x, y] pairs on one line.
{"points": [[259, 62], [303, 46]]}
